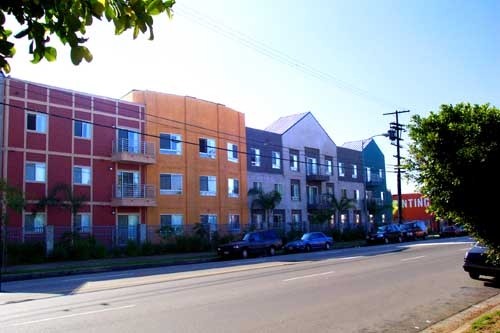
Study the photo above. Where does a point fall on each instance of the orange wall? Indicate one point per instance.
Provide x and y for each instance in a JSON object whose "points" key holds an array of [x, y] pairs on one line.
{"points": [[194, 118]]}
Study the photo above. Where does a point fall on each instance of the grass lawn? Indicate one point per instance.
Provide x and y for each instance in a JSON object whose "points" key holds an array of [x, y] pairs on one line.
{"points": [[489, 323]]}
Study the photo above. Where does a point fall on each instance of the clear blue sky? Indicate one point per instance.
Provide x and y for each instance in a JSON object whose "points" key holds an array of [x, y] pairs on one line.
{"points": [[347, 62]]}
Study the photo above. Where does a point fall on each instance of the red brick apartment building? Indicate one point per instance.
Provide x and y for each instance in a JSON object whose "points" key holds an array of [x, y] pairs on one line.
{"points": [[93, 145]]}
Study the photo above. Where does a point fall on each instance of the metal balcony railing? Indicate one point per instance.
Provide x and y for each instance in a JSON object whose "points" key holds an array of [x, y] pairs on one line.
{"points": [[134, 195], [134, 151]]}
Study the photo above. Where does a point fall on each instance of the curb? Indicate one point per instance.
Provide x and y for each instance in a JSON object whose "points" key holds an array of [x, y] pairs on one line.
{"points": [[461, 321]]}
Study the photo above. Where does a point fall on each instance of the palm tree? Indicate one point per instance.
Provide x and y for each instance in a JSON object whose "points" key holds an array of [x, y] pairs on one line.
{"points": [[340, 206], [61, 195], [266, 201]]}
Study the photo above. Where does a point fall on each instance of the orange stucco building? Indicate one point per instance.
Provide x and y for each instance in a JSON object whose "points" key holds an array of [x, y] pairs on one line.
{"points": [[200, 173]]}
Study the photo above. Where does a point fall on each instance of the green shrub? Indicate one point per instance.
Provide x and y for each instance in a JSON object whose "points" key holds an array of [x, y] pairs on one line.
{"points": [[132, 249], [25, 253]]}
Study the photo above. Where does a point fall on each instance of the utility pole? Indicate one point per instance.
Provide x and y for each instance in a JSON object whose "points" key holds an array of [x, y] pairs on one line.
{"points": [[395, 135]]}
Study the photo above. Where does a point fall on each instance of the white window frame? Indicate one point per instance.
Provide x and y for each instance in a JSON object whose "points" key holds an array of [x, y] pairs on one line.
{"points": [[255, 157], [368, 174], [341, 169], [294, 162], [382, 196], [354, 171], [234, 225], [176, 222], [173, 190], [38, 166], [233, 187], [329, 167], [39, 223], [212, 190], [211, 221], [232, 149], [86, 129], [381, 173], [85, 223], [174, 140], [295, 196], [211, 148], [279, 188], [82, 173], [276, 160], [356, 194], [312, 165], [40, 122], [257, 186]]}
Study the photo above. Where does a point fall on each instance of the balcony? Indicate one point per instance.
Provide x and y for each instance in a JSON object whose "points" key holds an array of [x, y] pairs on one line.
{"points": [[374, 181], [134, 195], [317, 174], [127, 151]]}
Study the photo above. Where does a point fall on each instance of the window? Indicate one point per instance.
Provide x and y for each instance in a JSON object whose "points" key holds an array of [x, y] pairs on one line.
{"points": [[82, 129], [81, 175], [82, 222], [368, 174], [382, 196], [257, 186], [296, 216], [295, 189], [381, 173], [312, 195], [357, 217], [171, 223], [207, 148], [329, 188], [255, 156], [294, 160], [341, 169], [234, 222], [343, 193], [279, 188], [209, 220], [128, 141], [233, 188], [170, 183], [312, 165], [36, 122], [35, 172], [354, 171], [170, 144], [127, 228], [232, 152], [329, 166], [277, 221], [208, 185], [276, 160], [356, 194], [258, 220], [34, 224]]}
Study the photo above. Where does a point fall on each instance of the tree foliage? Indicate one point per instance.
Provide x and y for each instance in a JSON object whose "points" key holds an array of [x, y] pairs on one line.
{"points": [[266, 201], [68, 20], [455, 159]]}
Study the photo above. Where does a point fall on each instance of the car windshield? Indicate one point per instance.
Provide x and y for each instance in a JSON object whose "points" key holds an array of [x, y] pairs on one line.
{"points": [[246, 238], [306, 236]]}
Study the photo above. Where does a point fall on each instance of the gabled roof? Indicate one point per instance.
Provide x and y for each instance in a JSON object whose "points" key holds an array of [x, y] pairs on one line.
{"points": [[358, 145], [283, 124]]}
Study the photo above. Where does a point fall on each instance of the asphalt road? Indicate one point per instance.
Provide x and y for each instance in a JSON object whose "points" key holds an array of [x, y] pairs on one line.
{"points": [[389, 288]]}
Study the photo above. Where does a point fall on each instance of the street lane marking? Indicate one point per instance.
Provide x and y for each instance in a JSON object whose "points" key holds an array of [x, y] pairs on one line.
{"points": [[93, 278], [73, 315], [414, 258], [307, 276]]}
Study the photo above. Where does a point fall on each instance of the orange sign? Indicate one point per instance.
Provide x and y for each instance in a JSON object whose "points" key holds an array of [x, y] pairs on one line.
{"points": [[414, 207]]}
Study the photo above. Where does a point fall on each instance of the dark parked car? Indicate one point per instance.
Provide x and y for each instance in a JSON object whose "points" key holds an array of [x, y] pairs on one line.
{"points": [[476, 264], [415, 229], [386, 234], [453, 231], [310, 241], [253, 243]]}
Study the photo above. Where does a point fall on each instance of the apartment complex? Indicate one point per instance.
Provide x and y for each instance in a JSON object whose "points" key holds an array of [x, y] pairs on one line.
{"points": [[201, 167], [122, 169]]}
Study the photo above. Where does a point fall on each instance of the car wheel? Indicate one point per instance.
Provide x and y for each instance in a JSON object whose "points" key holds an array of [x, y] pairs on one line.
{"points": [[474, 275], [244, 253], [308, 248], [272, 251], [386, 240], [327, 246]]}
